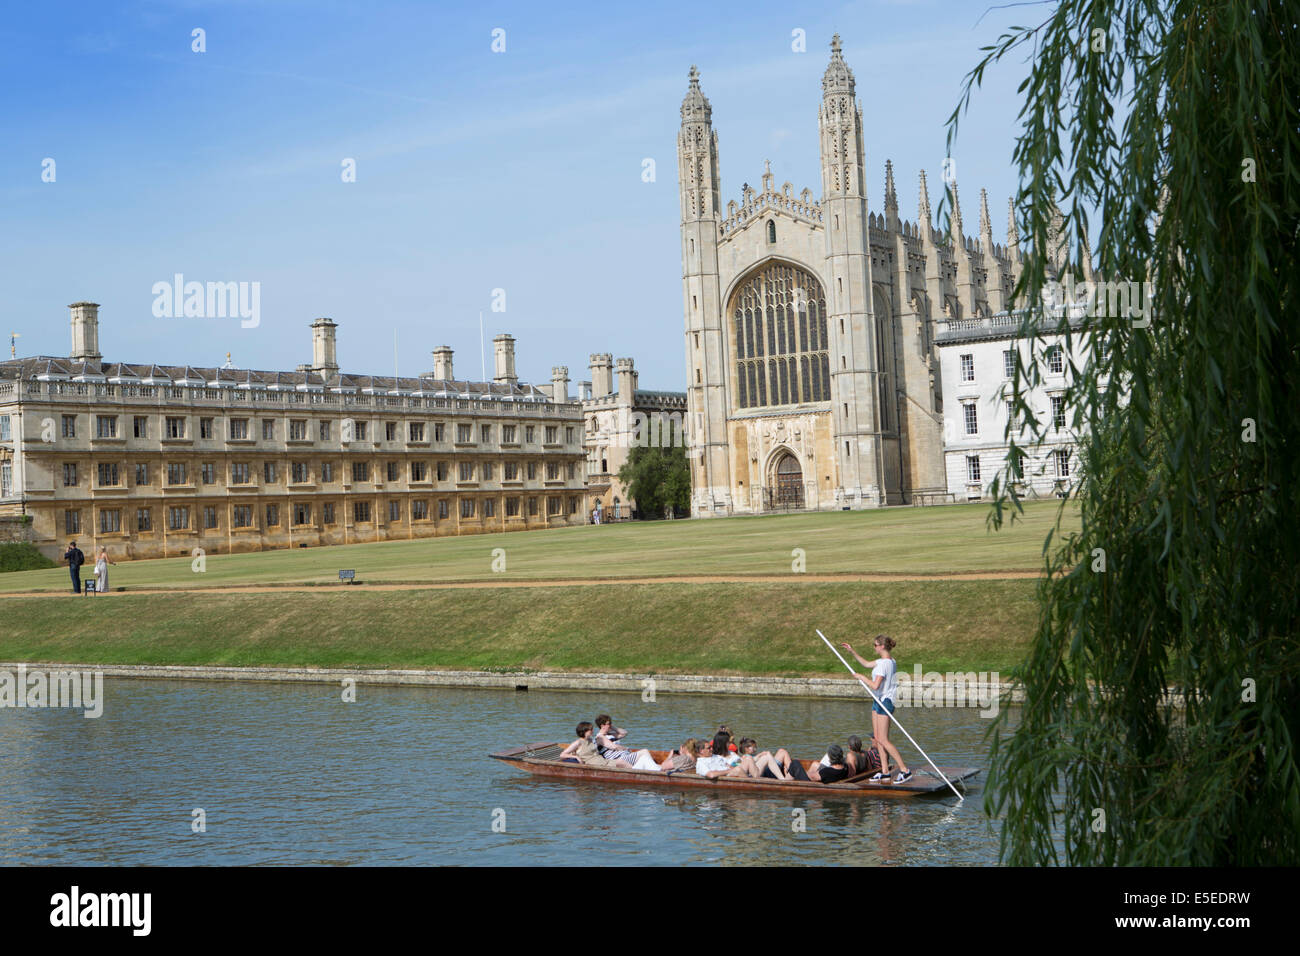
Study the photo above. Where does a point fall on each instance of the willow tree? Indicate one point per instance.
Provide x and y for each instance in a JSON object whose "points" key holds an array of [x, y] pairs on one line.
{"points": [[1167, 132]]}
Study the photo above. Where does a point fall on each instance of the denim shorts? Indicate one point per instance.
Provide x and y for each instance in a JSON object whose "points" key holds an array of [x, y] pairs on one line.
{"points": [[876, 708]]}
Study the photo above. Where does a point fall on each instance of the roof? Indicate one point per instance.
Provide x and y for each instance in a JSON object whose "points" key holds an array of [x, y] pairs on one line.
{"points": [[53, 368]]}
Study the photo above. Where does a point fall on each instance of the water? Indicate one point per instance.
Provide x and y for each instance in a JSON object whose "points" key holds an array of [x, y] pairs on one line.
{"points": [[289, 774]]}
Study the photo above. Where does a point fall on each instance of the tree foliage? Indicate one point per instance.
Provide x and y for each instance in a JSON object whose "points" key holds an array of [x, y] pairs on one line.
{"points": [[21, 556], [657, 478], [1174, 125]]}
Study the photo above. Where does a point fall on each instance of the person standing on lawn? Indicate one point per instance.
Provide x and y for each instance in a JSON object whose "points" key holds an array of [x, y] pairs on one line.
{"points": [[101, 570], [75, 559]]}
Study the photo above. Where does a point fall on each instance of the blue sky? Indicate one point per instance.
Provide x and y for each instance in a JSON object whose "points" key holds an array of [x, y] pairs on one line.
{"points": [[476, 170]]}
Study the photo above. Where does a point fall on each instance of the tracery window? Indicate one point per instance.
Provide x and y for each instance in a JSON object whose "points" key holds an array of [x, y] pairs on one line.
{"points": [[779, 323]]}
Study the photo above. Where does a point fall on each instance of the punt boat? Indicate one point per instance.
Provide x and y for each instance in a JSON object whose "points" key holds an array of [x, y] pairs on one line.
{"points": [[543, 760]]}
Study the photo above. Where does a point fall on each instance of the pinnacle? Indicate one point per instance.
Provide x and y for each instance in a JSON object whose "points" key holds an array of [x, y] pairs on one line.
{"points": [[838, 77], [695, 105]]}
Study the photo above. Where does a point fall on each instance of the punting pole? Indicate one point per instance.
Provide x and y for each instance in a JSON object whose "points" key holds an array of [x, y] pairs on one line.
{"points": [[892, 717]]}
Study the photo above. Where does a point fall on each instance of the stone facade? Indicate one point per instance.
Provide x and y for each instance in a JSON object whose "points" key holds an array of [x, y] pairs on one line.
{"points": [[977, 358], [813, 378], [618, 417], [155, 461]]}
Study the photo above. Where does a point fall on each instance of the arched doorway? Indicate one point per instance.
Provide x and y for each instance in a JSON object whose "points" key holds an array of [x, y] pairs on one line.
{"points": [[788, 493]]}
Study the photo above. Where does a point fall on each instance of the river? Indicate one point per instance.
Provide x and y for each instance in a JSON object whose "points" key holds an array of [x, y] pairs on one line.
{"points": [[290, 774]]}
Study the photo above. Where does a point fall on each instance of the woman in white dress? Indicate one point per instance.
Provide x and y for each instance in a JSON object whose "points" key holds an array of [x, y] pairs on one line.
{"points": [[101, 570]]}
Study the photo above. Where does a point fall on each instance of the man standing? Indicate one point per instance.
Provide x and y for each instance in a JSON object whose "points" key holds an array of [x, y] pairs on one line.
{"points": [[75, 560]]}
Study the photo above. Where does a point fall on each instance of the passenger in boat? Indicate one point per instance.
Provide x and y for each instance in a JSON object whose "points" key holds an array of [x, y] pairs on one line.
{"points": [[884, 685], [857, 760], [710, 765], [682, 759], [607, 737], [763, 764], [584, 750], [793, 768], [729, 751], [835, 771]]}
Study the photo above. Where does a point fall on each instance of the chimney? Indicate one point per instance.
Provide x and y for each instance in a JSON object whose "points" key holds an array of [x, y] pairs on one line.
{"points": [[560, 383], [324, 354], [626, 381], [602, 374], [442, 364], [504, 346], [85, 332]]}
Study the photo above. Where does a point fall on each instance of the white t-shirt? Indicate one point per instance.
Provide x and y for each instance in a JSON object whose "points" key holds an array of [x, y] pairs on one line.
{"points": [[888, 669], [706, 764]]}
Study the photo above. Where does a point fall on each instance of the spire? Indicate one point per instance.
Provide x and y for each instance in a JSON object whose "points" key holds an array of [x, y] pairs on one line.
{"points": [[923, 208], [1013, 232], [838, 77], [767, 176], [956, 211], [891, 196], [695, 106], [1058, 244], [986, 227]]}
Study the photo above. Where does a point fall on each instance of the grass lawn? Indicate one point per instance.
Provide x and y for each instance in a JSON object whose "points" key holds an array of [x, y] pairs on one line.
{"points": [[749, 628], [900, 540]]}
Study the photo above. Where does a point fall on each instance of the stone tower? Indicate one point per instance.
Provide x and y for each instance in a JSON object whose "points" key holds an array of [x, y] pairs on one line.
{"points": [[324, 351], [442, 364], [85, 332], [503, 348], [706, 397], [857, 409]]}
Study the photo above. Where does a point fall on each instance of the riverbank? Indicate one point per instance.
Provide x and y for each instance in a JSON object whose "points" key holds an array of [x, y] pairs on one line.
{"points": [[670, 628], [979, 690]]}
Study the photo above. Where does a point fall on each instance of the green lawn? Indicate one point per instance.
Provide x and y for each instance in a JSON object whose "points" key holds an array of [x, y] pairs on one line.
{"points": [[749, 628], [898, 540]]}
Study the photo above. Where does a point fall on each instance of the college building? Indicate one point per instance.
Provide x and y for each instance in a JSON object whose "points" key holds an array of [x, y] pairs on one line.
{"points": [[978, 358], [618, 417], [818, 329], [157, 460]]}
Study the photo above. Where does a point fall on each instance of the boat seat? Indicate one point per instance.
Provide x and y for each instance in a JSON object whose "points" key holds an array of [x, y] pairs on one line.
{"points": [[551, 752]]}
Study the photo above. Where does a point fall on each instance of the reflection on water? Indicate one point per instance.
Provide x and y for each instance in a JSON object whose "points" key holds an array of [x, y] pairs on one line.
{"points": [[289, 774]]}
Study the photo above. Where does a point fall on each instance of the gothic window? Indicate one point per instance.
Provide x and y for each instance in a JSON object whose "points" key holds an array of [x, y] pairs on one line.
{"points": [[771, 230], [780, 335]]}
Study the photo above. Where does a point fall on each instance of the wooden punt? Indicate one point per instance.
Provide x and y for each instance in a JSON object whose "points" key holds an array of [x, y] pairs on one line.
{"points": [[541, 759]]}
